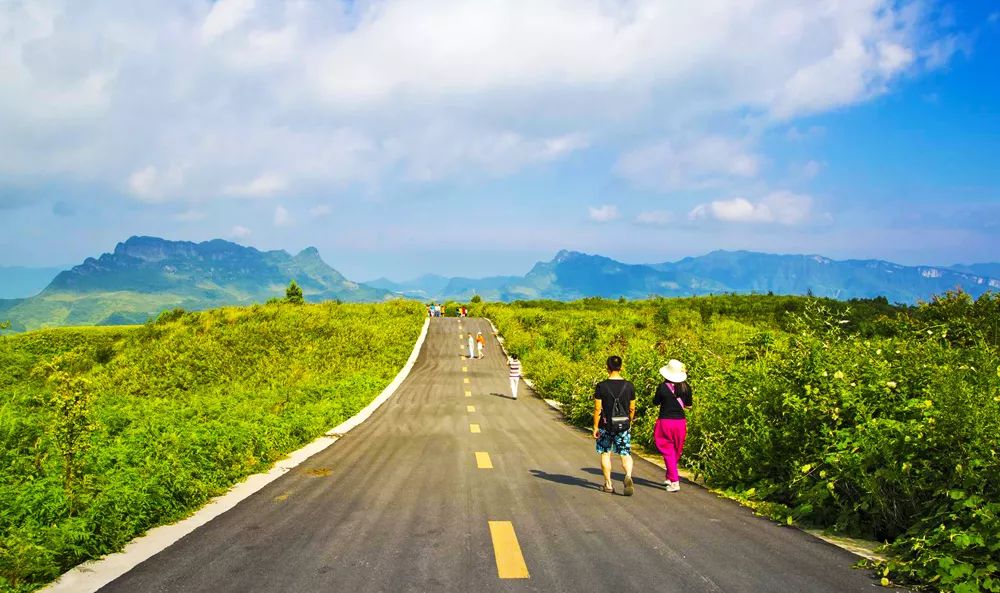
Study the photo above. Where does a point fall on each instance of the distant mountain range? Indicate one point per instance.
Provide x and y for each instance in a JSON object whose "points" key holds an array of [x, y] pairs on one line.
{"points": [[145, 275], [573, 275]]}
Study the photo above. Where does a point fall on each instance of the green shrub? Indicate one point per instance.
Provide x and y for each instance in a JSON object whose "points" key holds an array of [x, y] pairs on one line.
{"points": [[875, 420], [107, 432]]}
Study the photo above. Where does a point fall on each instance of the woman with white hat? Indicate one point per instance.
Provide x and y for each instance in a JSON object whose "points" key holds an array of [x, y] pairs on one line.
{"points": [[673, 396]]}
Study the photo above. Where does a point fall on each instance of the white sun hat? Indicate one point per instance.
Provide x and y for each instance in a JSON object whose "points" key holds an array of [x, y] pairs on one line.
{"points": [[675, 371]]}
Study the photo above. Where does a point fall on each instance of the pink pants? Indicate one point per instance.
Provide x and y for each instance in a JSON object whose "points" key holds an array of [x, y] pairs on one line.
{"points": [[669, 435]]}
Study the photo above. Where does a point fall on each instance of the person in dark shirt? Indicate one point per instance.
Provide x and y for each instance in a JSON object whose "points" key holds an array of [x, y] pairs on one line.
{"points": [[614, 390], [673, 396]]}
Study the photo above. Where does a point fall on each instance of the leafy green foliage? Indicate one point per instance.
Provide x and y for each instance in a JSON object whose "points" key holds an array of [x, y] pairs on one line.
{"points": [[873, 420], [106, 432]]}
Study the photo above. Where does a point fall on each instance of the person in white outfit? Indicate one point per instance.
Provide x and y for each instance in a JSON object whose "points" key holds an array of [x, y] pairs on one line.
{"points": [[515, 374], [472, 346]]}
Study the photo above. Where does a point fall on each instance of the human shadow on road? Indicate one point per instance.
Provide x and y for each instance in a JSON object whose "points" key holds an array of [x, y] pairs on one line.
{"points": [[564, 479], [619, 476]]}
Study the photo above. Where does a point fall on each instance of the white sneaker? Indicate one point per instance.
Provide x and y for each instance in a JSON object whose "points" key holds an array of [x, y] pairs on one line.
{"points": [[673, 486]]}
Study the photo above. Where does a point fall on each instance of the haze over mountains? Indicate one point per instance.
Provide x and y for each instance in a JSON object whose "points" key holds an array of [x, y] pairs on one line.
{"points": [[18, 281], [145, 275]]}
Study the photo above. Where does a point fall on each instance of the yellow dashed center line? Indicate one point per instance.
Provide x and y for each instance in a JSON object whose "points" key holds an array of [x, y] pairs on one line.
{"points": [[465, 369], [483, 460], [510, 561], [468, 394], [470, 408], [466, 380], [474, 428]]}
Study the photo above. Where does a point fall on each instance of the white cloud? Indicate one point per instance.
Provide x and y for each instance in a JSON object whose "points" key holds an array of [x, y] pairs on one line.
{"points": [[655, 218], [190, 215], [941, 51], [191, 100], [320, 211], [239, 232], [698, 163], [605, 213], [225, 16], [282, 217], [150, 184], [893, 57], [795, 134], [810, 169], [781, 207], [258, 187]]}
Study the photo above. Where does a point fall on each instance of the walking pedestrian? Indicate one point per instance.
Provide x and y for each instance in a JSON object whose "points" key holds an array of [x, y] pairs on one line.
{"points": [[472, 346], [673, 396], [515, 374], [480, 344], [614, 410]]}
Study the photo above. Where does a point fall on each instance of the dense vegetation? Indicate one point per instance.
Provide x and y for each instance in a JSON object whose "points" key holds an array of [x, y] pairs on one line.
{"points": [[862, 417], [106, 432]]}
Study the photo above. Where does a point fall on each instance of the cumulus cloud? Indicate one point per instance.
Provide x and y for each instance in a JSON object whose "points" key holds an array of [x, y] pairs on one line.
{"points": [[258, 187], [239, 232], [781, 207], [192, 99], [810, 169], [698, 163], [151, 184], [190, 215], [224, 16], [320, 211], [655, 218], [605, 213], [282, 217]]}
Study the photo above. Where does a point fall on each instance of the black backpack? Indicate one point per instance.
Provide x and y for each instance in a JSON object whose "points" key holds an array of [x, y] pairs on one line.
{"points": [[617, 417]]}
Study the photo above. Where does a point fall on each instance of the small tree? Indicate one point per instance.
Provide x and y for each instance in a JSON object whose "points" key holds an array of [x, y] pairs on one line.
{"points": [[71, 426], [4, 324], [476, 298], [293, 294]]}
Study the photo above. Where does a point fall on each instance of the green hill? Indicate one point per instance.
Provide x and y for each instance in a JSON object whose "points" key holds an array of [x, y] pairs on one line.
{"points": [[107, 432]]}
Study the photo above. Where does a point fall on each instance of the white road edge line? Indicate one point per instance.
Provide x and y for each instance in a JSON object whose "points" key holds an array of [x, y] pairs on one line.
{"points": [[94, 574]]}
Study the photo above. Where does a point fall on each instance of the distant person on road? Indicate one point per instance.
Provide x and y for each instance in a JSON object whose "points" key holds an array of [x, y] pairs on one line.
{"points": [[614, 410], [472, 346], [515, 374], [480, 344], [673, 396]]}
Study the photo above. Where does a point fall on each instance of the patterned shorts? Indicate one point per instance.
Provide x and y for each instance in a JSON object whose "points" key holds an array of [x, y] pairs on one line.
{"points": [[620, 443]]}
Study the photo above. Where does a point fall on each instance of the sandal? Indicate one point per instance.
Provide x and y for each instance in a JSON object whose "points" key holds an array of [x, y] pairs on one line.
{"points": [[610, 489], [629, 487]]}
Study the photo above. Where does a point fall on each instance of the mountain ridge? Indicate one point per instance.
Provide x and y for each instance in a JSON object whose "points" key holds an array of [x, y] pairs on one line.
{"points": [[574, 274], [144, 275]]}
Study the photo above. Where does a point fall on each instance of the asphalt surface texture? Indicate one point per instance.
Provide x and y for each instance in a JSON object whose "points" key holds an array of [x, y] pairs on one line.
{"points": [[401, 504]]}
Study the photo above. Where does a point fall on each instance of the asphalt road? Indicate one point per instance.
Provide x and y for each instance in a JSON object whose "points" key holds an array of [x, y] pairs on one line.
{"points": [[401, 504]]}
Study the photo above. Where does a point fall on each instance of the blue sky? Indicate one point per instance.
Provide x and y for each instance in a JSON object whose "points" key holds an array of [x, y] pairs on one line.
{"points": [[475, 138]]}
